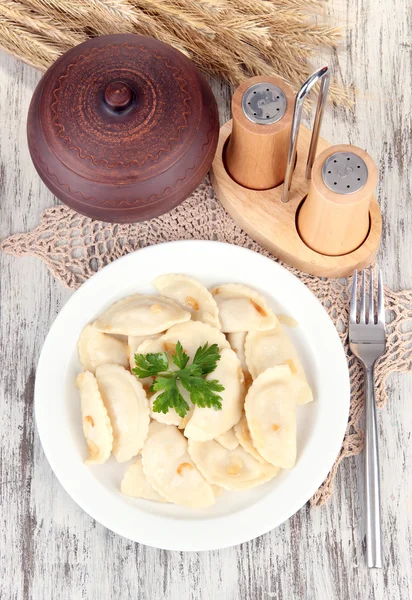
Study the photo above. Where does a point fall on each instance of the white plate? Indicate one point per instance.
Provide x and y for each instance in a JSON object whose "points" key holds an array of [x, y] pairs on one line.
{"points": [[237, 516]]}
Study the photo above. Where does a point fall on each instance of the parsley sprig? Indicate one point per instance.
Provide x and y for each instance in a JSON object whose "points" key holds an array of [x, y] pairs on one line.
{"points": [[192, 378]]}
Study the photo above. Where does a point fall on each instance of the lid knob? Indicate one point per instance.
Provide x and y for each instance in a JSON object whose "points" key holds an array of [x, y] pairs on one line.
{"points": [[118, 96]]}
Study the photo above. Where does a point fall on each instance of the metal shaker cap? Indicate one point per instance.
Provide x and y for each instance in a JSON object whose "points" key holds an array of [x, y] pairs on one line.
{"points": [[344, 173], [264, 103]]}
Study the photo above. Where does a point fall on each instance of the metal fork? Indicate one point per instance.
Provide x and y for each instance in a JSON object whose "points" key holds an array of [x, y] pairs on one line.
{"points": [[367, 340]]}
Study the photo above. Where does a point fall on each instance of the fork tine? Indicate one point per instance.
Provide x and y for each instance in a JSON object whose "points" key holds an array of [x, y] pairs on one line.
{"points": [[362, 311], [381, 301], [353, 298], [371, 318]]}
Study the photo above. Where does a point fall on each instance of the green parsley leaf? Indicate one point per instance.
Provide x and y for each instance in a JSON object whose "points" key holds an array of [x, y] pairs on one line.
{"points": [[150, 364], [206, 358], [191, 377], [170, 397], [202, 392], [180, 358]]}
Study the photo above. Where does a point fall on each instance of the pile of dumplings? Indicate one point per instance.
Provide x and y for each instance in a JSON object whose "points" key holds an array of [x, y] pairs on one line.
{"points": [[190, 460]]}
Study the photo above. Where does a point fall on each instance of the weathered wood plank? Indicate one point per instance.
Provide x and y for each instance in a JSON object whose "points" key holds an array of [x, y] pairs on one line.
{"points": [[49, 548]]}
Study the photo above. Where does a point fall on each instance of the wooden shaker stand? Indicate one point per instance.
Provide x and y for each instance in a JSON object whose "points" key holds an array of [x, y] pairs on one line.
{"points": [[316, 231]]}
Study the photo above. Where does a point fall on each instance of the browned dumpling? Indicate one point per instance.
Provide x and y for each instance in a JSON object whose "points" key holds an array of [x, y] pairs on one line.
{"points": [[141, 315], [192, 295], [264, 349], [229, 469], [128, 409], [228, 440], [242, 309], [191, 335], [244, 438], [135, 484], [208, 423], [96, 348], [270, 408], [170, 470], [96, 423]]}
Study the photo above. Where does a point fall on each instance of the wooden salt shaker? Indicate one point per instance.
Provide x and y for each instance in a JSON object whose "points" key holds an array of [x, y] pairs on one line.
{"points": [[257, 151]]}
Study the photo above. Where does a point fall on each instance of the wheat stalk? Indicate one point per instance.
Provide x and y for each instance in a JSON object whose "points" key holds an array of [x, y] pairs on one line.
{"points": [[233, 39]]}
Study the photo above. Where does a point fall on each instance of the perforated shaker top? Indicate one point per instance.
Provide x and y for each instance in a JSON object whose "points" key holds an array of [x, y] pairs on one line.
{"points": [[264, 103], [344, 172]]}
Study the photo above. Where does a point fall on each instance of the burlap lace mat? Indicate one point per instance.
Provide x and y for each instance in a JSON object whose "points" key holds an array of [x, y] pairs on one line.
{"points": [[74, 247]]}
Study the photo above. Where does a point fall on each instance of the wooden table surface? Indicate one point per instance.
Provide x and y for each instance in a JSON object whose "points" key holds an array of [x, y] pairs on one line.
{"points": [[50, 549]]}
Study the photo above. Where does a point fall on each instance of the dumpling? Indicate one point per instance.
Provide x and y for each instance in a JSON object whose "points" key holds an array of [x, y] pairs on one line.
{"points": [[133, 343], [270, 408], [208, 423], [128, 409], [135, 484], [242, 309], [170, 470], [191, 335], [96, 423], [96, 348], [171, 417], [192, 295], [237, 343], [141, 316], [230, 469], [264, 349], [218, 491], [243, 437], [228, 440]]}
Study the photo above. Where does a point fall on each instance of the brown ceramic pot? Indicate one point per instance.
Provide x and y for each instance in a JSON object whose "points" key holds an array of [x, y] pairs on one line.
{"points": [[122, 128]]}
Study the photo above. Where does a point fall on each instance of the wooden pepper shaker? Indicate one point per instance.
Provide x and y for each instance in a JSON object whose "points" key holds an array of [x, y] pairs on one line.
{"points": [[334, 218]]}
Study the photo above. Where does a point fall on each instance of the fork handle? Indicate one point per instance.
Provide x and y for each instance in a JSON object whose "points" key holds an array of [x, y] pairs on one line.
{"points": [[373, 502]]}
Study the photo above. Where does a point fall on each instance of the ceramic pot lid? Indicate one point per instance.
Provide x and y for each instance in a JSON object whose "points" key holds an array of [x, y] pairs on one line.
{"points": [[122, 128]]}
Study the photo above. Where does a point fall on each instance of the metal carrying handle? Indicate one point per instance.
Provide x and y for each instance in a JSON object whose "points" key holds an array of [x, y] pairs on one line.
{"points": [[323, 75]]}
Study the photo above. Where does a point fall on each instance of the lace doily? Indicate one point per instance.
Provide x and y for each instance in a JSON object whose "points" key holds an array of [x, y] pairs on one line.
{"points": [[74, 247]]}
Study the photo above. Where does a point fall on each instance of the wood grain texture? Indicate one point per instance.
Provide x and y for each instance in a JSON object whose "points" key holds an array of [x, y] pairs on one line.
{"points": [[332, 223], [52, 550], [256, 154]]}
